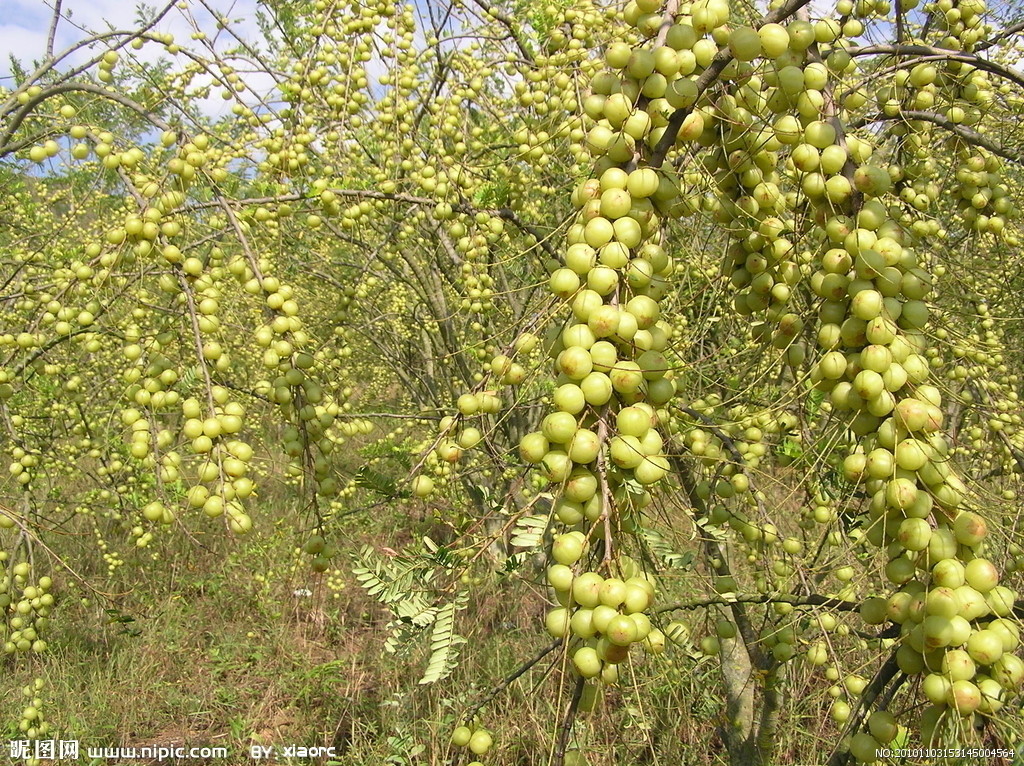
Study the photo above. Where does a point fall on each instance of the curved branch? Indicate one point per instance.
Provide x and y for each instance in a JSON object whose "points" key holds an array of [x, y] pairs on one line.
{"points": [[971, 136], [997, 38], [52, 61], [6, 147], [747, 598], [927, 50]]}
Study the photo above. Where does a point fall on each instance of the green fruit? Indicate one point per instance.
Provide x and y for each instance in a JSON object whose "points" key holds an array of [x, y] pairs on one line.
{"points": [[985, 646], [556, 466], [480, 742], [582, 624], [626, 451], [981, 575], [969, 528], [533, 447], [1008, 671], [864, 747], [586, 589], [603, 616], [613, 592], [584, 446], [636, 600], [964, 697], [568, 548], [422, 486], [564, 283], [745, 43], [840, 712], [652, 469], [560, 577], [587, 662], [621, 630], [557, 622]]}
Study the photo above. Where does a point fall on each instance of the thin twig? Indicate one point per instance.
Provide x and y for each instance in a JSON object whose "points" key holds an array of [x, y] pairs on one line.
{"points": [[927, 50], [885, 674], [761, 598], [970, 136], [570, 718], [53, 29], [511, 678]]}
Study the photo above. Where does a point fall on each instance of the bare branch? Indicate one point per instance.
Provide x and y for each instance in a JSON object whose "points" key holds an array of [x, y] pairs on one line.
{"points": [[761, 598], [889, 670], [53, 29], [570, 718], [509, 679]]}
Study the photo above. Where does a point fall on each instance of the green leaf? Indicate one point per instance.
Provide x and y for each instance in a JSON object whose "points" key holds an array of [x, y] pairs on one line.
{"points": [[791, 449], [529, 531], [444, 643], [663, 550]]}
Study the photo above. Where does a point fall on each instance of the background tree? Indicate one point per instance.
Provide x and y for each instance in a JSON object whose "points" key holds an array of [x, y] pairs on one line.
{"points": [[711, 304]]}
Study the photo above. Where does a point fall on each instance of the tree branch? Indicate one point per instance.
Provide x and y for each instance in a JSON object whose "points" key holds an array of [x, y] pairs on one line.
{"points": [[509, 23], [509, 679], [885, 674], [570, 717], [53, 29], [52, 61], [6, 147], [927, 50], [760, 598], [971, 136]]}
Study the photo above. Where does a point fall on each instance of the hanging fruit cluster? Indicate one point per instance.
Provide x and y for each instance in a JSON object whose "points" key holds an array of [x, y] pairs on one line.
{"points": [[815, 218]]}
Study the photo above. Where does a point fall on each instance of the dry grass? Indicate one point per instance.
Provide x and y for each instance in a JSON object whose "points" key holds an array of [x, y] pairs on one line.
{"points": [[222, 652]]}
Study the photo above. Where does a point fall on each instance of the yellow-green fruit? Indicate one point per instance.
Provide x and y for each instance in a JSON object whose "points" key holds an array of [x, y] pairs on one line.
{"points": [[422, 486], [587, 662], [622, 630], [557, 622], [480, 742], [567, 549], [864, 747]]}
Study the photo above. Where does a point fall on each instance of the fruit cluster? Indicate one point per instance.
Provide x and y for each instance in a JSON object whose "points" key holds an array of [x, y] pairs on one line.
{"points": [[26, 608], [476, 739], [605, 616], [33, 725]]}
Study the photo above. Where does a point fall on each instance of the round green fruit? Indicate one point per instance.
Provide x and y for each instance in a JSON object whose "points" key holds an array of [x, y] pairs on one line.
{"points": [[480, 742]]}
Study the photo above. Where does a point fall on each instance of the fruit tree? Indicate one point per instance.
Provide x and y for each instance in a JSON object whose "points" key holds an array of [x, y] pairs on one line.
{"points": [[703, 317]]}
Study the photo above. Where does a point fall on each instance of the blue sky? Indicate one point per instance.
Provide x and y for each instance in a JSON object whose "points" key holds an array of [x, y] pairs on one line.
{"points": [[24, 25]]}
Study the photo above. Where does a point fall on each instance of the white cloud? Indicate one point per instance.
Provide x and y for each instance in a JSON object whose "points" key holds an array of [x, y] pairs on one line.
{"points": [[23, 44]]}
